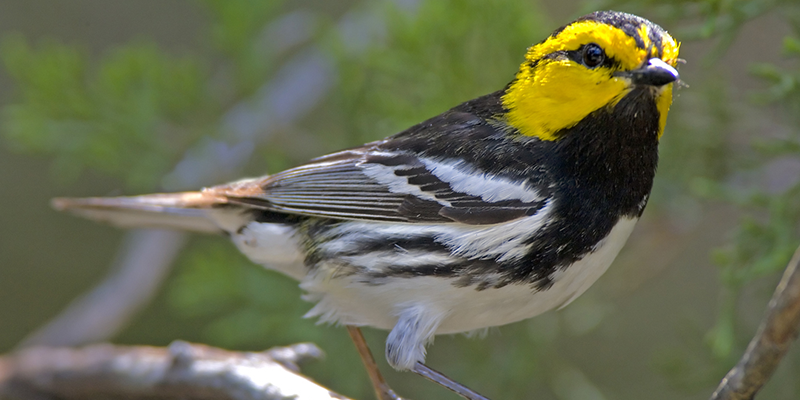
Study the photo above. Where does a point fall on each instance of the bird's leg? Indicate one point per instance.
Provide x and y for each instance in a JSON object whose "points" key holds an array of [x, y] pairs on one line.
{"points": [[382, 389], [438, 377], [405, 347]]}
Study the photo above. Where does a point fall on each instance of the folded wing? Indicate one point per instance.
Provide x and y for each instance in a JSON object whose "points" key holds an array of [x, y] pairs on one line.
{"points": [[392, 186]]}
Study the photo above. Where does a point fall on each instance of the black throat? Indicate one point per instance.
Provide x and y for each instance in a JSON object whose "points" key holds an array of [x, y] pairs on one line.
{"points": [[611, 156], [601, 170]]}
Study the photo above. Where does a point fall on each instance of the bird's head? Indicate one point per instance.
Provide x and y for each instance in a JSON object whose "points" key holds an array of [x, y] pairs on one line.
{"points": [[589, 65]]}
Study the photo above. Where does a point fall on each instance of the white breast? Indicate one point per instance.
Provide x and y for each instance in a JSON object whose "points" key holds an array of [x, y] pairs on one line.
{"points": [[271, 245], [349, 300]]}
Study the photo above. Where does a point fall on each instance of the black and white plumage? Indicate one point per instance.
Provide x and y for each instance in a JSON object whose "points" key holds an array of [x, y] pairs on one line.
{"points": [[464, 221], [424, 233]]}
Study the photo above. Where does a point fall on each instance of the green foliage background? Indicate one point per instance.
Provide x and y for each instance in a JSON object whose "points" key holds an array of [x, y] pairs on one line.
{"points": [[663, 324]]}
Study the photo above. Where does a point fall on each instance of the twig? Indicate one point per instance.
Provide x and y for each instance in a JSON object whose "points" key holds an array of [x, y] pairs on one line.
{"points": [[180, 371], [777, 331]]}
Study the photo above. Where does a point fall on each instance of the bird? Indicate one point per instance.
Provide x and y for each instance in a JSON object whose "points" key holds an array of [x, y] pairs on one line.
{"points": [[495, 211]]}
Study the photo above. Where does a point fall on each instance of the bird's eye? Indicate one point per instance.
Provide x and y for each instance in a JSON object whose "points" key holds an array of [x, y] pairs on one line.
{"points": [[593, 55]]}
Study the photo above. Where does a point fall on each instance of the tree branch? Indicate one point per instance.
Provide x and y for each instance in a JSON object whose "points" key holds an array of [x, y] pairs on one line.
{"points": [[777, 331], [182, 370]]}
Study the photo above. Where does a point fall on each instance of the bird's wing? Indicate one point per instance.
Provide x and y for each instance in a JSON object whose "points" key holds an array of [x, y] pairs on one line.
{"points": [[370, 183]]}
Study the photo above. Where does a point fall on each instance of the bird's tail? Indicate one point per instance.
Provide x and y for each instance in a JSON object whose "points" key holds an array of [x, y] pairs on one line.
{"points": [[182, 211]]}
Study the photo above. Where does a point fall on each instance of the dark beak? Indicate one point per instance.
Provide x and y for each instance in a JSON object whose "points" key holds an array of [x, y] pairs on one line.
{"points": [[655, 73]]}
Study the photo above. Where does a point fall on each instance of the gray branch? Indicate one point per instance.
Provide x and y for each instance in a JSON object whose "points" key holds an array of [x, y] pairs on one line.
{"points": [[777, 331], [180, 371]]}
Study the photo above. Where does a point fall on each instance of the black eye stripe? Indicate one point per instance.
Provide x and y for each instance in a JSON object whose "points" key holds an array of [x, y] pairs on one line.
{"points": [[577, 56]]}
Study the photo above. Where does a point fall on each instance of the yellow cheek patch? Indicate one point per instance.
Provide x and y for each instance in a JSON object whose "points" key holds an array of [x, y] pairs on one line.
{"points": [[555, 93], [554, 106]]}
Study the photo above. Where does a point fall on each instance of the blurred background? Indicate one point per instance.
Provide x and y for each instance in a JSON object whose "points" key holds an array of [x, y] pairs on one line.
{"points": [[108, 97]]}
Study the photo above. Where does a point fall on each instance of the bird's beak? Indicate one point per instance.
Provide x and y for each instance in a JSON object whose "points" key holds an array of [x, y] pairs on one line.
{"points": [[654, 73]]}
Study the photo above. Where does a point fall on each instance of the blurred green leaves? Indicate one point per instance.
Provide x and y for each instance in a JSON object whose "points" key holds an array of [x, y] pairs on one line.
{"points": [[769, 232], [127, 118], [415, 68], [245, 302], [133, 112], [724, 153], [783, 87], [236, 24]]}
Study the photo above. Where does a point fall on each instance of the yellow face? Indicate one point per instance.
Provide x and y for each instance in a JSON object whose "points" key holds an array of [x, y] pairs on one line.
{"points": [[582, 68]]}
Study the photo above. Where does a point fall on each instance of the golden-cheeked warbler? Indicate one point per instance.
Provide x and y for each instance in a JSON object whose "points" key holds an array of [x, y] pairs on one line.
{"points": [[492, 212]]}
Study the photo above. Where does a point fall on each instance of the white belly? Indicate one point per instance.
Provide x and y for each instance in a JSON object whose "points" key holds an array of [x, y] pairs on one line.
{"points": [[348, 300]]}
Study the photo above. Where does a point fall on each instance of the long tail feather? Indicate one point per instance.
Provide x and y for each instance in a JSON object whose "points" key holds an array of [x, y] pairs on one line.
{"points": [[181, 211]]}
